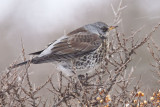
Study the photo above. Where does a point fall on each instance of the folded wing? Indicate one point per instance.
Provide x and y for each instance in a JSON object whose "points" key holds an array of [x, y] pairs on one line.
{"points": [[74, 44]]}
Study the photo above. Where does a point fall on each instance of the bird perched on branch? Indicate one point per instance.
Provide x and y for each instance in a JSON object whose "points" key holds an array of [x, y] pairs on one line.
{"points": [[80, 51]]}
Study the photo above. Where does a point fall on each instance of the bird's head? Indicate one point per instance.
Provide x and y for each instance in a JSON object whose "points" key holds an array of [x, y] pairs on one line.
{"points": [[103, 28]]}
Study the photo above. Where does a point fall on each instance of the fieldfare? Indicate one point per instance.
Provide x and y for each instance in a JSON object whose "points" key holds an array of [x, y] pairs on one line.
{"points": [[80, 51]]}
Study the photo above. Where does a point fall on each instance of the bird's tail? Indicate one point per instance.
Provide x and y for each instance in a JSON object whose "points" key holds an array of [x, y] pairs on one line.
{"points": [[20, 64]]}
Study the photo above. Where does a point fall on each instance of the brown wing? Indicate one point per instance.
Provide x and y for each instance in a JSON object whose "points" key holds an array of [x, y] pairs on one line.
{"points": [[77, 44]]}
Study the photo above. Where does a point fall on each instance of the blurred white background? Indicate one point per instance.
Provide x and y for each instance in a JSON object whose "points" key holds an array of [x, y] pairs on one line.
{"points": [[39, 22]]}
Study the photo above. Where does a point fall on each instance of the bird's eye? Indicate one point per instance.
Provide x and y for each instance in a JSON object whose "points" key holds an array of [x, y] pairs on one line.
{"points": [[104, 29]]}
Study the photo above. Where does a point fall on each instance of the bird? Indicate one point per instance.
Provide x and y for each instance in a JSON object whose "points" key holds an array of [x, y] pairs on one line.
{"points": [[80, 51]]}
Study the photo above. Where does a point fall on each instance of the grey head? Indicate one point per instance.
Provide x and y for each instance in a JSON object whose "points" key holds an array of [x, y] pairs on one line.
{"points": [[99, 28]]}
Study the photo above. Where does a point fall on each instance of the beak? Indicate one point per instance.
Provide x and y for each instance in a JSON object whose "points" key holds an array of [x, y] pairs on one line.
{"points": [[112, 27]]}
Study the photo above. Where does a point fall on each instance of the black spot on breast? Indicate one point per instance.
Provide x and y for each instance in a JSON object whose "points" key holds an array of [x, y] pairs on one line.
{"points": [[88, 61], [95, 56], [77, 63], [84, 58]]}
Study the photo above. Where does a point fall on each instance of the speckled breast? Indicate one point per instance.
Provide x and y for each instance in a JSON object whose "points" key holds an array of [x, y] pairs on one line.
{"points": [[90, 60]]}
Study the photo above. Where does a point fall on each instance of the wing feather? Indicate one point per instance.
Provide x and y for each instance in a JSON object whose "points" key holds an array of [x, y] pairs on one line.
{"points": [[74, 44], [77, 44]]}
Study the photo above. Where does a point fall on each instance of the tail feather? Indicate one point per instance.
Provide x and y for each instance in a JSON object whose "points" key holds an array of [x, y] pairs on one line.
{"points": [[36, 53], [20, 64]]}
